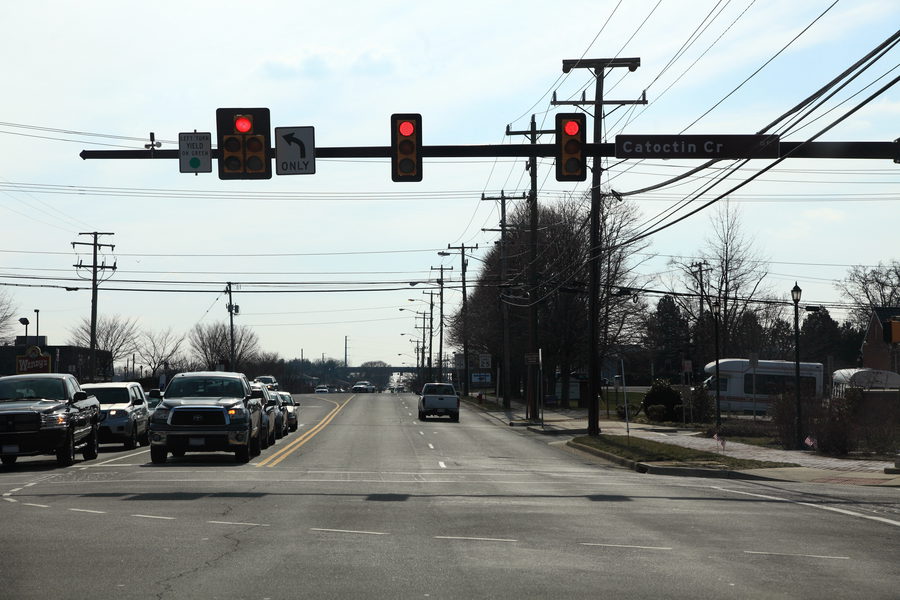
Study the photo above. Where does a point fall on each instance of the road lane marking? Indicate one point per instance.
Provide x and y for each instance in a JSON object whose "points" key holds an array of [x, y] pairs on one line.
{"points": [[431, 446], [473, 539], [441, 464], [841, 511], [9, 499], [35, 505], [348, 531], [105, 462], [154, 517], [283, 453], [625, 546], [238, 523], [801, 555], [85, 510]]}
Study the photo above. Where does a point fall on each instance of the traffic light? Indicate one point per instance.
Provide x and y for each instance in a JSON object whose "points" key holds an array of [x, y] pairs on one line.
{"points": [[243, 139], [570, 138], [406, 147]]}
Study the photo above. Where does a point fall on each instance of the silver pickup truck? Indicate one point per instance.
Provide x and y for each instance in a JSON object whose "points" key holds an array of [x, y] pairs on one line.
{"points": [[439, 399]]}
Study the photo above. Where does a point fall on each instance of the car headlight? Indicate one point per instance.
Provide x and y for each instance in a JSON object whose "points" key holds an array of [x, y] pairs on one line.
{"points": [[116, 414], [160, 415], [237, 414], [54, 419]]}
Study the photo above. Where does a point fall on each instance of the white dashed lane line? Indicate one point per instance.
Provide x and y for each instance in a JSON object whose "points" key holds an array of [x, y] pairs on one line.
{"points": [[85, 510], [472, 539], [624, 546], [238, 523], [349, 531], [154, 517]]}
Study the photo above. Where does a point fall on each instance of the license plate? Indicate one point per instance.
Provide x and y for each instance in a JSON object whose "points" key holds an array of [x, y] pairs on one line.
{"points": [[195, 441], [9, 449]]}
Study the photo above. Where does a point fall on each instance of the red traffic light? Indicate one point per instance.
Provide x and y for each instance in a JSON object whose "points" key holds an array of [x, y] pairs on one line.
{"points": [[406, 145], [242, 124], [406, 128], [571, 127]]}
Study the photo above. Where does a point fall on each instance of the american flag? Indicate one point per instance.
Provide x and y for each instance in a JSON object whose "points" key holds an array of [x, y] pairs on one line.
{"points": [[810, 442]]}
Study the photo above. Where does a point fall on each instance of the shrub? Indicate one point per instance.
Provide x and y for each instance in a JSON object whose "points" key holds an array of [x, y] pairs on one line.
{"points": [[661, 393], [633, 410], [657, 412]]}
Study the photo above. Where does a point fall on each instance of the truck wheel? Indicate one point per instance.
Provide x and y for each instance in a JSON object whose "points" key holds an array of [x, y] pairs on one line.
{"points": [[92, 445], [242, 454], [421, 416], [145, 437], [454, 417], [65, 454], [8, 460], [255, 448], [132, 441], [158, 455]]}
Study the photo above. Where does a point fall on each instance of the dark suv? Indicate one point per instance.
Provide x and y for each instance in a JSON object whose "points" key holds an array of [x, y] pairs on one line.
{"points": [[206, 411], [47, 413]]}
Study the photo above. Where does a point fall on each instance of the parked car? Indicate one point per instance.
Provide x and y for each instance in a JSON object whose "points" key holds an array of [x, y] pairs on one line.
{"points": [[47, 413], [124, 413], [292, 410], [270, 414], [439, 399], [322, 389], [206, 411]]}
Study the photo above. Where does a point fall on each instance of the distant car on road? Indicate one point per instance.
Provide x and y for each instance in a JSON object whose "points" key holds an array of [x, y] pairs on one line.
{"points": [[124, 412], [292, 410], [363, 387], [267, 380], [322, 389], [47, 413]]}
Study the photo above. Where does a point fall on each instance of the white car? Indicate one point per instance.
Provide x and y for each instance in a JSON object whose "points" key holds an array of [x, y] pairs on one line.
{"points": [[322, 389]]}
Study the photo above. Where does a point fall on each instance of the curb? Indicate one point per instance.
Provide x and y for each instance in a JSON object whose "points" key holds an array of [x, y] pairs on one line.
{"points": [[652, 469]]}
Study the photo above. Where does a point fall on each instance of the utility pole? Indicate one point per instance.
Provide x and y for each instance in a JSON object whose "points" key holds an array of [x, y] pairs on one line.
{"points": [[232, 310], [345, 351], [430, 333], [598, 66], [533, 386], [440, 372], [506, 373], [465, 312], [94, 268]]}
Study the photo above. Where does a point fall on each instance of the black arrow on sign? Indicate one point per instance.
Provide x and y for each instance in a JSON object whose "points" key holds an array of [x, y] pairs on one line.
{"points": [[290, 139]]}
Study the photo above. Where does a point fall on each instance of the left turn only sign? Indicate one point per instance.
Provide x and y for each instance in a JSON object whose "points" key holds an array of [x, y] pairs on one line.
{"points": [[195, 152], [295, 150]]}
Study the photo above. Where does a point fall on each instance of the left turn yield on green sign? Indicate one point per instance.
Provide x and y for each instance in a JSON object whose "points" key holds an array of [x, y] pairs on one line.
{"points": [[195, 152]]}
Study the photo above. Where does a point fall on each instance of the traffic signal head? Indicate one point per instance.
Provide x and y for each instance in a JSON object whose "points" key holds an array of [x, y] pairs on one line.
{"points": [[571, 131], [406, 147], [244, 139]]}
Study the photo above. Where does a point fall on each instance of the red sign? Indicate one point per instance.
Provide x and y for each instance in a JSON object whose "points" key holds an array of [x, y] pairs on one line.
{"points": [[33, 361]]}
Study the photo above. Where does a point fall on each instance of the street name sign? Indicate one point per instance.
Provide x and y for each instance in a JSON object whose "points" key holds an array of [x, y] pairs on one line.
{"points": [[295, 150], [697, 146], [195, 152]]}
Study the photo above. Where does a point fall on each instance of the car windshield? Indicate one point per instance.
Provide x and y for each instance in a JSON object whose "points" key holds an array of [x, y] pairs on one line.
{"points": [[438, 389], [204, 387], [50, 389], [109, 395]]}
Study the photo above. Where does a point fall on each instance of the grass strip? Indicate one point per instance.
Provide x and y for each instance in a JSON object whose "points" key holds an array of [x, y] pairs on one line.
{"points": [[641, 450]]}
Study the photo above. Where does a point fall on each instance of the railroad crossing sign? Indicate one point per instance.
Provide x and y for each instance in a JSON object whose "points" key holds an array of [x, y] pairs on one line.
{"points": [[295, 150], [195, 152]]}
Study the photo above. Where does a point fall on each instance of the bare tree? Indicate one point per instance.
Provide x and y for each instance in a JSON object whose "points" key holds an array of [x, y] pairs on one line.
{"points": [[211, 344], [870, 287], [158, 349], [7, 313], [116, 334], [729, 272]]}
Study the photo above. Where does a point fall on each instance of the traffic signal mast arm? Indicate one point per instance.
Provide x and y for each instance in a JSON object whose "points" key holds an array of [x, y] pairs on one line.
{"points": [[864, 150]]}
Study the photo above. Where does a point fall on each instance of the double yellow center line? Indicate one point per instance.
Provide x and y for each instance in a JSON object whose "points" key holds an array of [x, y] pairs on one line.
{"points": [[281, 454]]}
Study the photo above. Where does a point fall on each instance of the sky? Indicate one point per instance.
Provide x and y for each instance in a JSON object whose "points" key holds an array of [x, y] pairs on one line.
{"points": [[103, 75]]}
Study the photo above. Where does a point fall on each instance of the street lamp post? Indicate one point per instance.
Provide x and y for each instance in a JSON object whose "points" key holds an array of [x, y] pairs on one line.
{"points": [[716, 311], [795, 296], [24, 321]]}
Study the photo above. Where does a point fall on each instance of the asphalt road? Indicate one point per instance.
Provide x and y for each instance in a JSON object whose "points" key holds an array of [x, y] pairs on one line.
{"points": [[366, 501]]}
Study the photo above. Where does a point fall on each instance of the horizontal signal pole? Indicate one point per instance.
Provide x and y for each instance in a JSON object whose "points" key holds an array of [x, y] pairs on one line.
{"points": [[863, 150]]}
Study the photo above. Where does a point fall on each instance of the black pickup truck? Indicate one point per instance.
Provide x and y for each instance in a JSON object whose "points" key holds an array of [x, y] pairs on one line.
{"points": [[206, 411], [47, 413]]}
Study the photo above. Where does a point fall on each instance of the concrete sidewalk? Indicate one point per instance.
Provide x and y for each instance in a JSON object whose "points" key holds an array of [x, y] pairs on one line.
{"points": [[569, 423]]}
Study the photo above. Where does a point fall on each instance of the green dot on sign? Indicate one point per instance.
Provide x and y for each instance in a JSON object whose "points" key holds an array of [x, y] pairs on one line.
{"points": [[195, 163]]}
